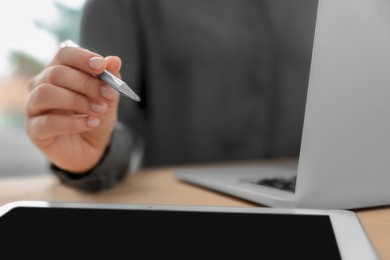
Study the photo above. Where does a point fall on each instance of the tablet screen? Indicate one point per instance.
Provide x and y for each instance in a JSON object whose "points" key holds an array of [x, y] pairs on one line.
{"points": [[139, 233]]}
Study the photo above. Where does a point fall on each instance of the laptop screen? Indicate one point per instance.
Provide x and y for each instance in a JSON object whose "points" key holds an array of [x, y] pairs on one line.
{"points": [[293, 26]]}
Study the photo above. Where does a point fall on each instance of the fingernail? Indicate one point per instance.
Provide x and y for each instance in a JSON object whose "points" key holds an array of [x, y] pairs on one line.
{"points": [[108, 92], [96, 63], [93, 121], [98, 107]]}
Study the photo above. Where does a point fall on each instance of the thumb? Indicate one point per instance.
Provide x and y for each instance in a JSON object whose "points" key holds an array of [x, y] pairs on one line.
{"points": [[114, 64]]}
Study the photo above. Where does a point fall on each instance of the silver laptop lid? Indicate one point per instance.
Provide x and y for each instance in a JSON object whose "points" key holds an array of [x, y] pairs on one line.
{"points": [[345, 150]]}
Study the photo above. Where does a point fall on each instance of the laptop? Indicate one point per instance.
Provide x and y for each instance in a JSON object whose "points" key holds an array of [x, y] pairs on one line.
{"points": [[344, 159]]}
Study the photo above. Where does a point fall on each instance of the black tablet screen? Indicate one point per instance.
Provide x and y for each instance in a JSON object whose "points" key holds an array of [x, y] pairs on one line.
{"points": [[152, 234]]}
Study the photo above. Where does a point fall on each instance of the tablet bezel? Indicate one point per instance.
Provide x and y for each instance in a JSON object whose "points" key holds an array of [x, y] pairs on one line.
{"points": [[351, 238]]}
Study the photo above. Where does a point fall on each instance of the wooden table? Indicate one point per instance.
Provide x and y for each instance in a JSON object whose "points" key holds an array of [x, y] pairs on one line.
{"points": [[158, 186]]}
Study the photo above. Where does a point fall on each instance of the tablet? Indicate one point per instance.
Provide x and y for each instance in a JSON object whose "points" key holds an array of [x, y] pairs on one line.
{"points": [[40, 229]]}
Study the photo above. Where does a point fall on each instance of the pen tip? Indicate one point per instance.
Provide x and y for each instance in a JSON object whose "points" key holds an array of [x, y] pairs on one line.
{"points": [[129, 92]]}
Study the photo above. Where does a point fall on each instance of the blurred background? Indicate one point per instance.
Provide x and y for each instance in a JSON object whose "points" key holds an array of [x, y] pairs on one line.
{"points": [[31, 32]]}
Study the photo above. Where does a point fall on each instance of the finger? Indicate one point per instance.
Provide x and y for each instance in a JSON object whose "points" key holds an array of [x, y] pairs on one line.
{"points": [[81, 82], [47, 126], [113, 65], [79, 58], [71, 79], [48, 97]]}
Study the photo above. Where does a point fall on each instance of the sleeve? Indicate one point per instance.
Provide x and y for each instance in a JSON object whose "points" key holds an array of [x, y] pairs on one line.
{"points": [[110, 28], [109, 171]]}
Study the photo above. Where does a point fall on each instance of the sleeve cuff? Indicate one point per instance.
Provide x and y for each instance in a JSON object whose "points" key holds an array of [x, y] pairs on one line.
{"points": [[109, 171]]}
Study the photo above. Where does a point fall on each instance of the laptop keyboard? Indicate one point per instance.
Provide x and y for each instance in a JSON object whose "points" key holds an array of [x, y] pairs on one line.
{"points": [[287, 184]]}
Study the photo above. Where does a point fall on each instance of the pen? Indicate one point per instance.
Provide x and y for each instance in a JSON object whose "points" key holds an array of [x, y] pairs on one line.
{"points": [[110, 79]]}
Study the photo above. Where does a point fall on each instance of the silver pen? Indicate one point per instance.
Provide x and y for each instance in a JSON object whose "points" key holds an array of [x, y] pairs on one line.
{"points": [[110, 79]]}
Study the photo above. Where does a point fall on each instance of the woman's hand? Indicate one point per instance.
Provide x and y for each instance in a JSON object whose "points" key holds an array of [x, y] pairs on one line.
{"points": [[70, 113]]}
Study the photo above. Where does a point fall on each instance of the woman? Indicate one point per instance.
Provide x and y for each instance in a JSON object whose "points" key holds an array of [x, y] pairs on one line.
{"points": [[219, 80]]}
